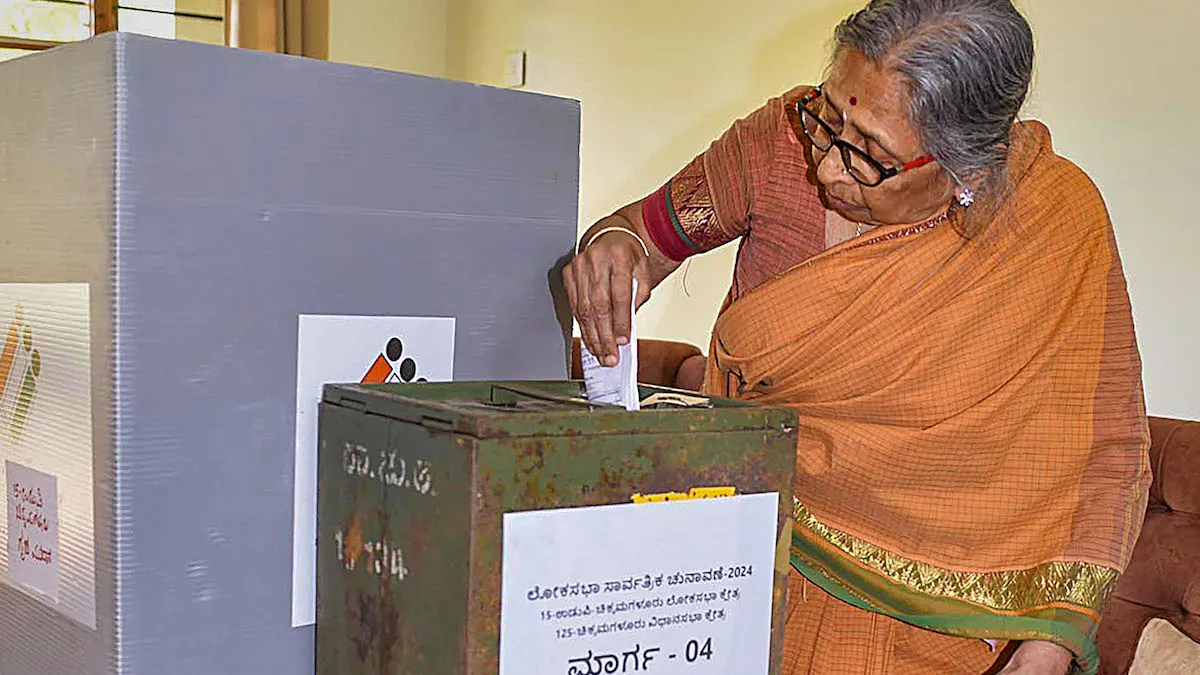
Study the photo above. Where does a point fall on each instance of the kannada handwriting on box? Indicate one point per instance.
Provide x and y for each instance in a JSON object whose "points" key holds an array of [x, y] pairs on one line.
{"points": [[379, 557], [388, 468]]}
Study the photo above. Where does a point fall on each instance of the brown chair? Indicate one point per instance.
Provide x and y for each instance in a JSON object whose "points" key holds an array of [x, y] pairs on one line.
{"points": [[1163, 579]]}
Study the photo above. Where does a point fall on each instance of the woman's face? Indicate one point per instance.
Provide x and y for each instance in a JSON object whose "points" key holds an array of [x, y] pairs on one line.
{"points": [[867, 106]]}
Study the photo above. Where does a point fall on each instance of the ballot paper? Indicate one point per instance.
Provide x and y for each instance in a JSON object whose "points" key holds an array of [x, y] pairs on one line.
{"points": [[616, 385]]}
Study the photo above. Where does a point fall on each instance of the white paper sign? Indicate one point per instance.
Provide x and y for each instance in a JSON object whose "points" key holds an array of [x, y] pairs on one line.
{"points": [[340, 349], [46, 431], [32, 529], [669, 588]]}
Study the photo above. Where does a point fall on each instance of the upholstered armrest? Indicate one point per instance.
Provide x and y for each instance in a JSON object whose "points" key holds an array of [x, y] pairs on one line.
{"points": [[1163, 579]]}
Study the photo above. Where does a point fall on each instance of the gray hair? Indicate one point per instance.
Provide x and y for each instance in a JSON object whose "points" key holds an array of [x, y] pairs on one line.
{"points": [[968, 64]]}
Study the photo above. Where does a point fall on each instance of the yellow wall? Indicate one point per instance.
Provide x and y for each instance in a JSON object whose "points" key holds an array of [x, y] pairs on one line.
{"points": [[404, 35], [659, 80], [1116, 82]]}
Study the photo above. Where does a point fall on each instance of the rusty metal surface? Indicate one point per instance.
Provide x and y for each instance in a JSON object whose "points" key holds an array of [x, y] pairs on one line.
{"points": [[348, 606], [554, 472], [463, 408], [464, 467], [392, 548]]}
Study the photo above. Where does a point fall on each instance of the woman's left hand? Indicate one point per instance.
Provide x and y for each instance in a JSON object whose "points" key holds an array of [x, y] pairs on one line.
{"points": [[1039, 658]]}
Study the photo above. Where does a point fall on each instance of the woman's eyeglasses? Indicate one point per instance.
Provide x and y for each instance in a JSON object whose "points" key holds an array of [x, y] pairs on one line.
{"points": [[861, 166]]}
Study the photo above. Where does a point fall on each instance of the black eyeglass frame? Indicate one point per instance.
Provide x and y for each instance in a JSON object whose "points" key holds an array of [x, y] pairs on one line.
{"points": [[849, 150]]}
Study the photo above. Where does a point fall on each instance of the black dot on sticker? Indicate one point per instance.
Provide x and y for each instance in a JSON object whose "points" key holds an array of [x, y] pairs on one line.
{"points": [[395, 348], [408, 369]]}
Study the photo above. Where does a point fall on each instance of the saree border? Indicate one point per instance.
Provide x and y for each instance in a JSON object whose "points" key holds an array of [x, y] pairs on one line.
{"points": [[1078, 584], [1054, 602]]}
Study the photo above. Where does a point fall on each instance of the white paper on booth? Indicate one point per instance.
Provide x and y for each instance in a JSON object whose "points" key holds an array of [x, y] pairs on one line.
{"points": [[674, 588], [616, 385], [33, 550], [342, 349]]}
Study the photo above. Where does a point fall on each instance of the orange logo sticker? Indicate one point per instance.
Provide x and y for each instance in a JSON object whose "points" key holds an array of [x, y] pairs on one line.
{"points": [[391, 366]]}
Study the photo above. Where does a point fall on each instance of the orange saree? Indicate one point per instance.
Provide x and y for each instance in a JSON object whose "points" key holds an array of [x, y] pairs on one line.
{"points": [[973, 443]]}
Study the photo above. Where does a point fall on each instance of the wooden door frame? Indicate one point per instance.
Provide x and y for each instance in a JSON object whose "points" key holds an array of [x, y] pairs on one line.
{"points": [[104, 16]]}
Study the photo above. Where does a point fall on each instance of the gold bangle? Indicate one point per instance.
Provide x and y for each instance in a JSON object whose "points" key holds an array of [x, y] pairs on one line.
{"points": [[617, 228]]}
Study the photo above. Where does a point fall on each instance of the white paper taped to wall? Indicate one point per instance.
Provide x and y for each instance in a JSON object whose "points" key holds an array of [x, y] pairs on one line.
{"points": [[616, 385]]}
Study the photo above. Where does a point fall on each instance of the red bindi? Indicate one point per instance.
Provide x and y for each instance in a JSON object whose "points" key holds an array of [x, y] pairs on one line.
{"points": [[853, 100]]}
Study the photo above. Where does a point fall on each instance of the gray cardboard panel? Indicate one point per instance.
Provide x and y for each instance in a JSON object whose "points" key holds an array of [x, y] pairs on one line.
{"points": [[211, 124], [226, 193], [56, 206], [254, 189]]}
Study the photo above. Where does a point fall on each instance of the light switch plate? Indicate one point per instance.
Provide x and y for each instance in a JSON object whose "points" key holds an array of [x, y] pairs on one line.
{"points": [[514, 69]]}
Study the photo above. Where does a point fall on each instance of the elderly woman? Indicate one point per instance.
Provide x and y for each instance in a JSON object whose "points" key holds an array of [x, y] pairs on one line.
{"points": [[940, 297]]}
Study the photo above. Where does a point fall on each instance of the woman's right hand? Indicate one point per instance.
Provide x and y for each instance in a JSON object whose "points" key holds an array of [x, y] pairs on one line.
{"points": [[599, 282]]}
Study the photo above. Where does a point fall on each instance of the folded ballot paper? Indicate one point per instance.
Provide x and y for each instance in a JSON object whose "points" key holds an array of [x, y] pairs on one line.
{"points": [[616, 385]]}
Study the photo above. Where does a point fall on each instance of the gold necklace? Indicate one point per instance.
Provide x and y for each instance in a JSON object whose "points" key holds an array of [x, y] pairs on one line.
{"points": [[908, 231], [932, 222]]}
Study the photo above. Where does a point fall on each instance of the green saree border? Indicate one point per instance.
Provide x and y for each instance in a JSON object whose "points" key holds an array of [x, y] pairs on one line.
{"points": [[852, 581], [1082, 585]]}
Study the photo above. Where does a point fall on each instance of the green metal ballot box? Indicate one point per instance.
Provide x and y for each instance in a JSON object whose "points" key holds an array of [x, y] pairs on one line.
{"points": [[414, 481]]}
